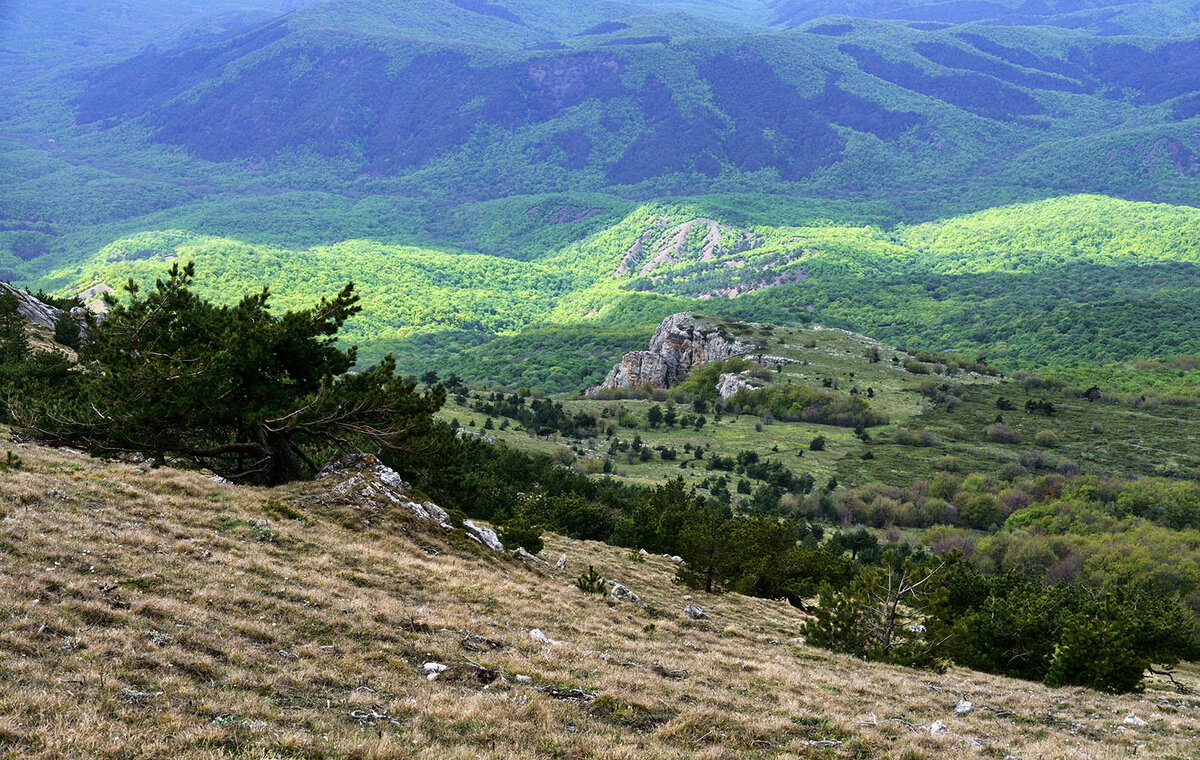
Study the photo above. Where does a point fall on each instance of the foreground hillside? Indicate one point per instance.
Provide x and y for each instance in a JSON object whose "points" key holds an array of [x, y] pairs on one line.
{"points": [[156, 613]]}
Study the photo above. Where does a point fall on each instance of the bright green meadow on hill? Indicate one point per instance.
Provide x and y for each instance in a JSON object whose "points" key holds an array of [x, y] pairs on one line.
{"points": [[1068, 280]]}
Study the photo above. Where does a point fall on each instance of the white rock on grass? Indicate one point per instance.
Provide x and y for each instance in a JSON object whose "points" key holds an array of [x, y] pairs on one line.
{"points": [[695, 613], [622, 592], [1133, 720], [562, 563], [483, 535], [542, 638], [963, 707], [938, 727]]}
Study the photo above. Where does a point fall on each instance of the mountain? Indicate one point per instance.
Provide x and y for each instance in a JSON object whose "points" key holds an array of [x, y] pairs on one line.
{"points": [[660, 106], [985, 183]]}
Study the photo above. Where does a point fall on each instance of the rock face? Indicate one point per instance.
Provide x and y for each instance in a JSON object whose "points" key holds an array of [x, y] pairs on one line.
{"points": [[35, 311], [680, 344]]}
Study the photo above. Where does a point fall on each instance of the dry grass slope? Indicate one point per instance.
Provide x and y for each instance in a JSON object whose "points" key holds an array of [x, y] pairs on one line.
{"points": [[157, 614]]}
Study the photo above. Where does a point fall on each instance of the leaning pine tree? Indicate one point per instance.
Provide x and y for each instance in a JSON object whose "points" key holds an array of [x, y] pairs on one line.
{"points": [[257, 398]]}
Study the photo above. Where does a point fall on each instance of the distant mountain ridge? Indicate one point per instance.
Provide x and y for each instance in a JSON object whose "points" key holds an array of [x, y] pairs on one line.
{"points": [[657, 113]]}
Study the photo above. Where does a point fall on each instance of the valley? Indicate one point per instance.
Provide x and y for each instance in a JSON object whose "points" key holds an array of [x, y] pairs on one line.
{"points": [[616, 378]]}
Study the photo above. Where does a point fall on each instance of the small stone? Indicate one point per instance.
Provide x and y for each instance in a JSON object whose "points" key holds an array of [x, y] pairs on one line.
{"points": [[938, 727], [562, 563], [799, 641], [435, 667], [963, 707], [643, 552], [695, 613], [524, 679], [1133, 720], [620, 592], [433, 676], [542, 638]]}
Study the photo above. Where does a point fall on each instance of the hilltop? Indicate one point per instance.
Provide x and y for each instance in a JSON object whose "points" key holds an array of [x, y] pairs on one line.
{"points": [[157, 612], [922, 413]]}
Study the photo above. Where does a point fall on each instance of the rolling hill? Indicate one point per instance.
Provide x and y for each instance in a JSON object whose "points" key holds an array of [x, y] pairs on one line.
{"points": [[852, 163], [1068, 280]]}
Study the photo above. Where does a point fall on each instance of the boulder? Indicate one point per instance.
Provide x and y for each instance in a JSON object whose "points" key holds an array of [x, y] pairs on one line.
{"points": [[963, 707], [695, 613], [365, 482], [483, 535], [562, 563], [1133, 720], [622, 592], [541, 638], [729, 384]]}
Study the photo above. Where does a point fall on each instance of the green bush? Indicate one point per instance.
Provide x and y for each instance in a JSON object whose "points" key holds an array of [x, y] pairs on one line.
{"points": [[1047, 439], [590, 582], [518, 531]]}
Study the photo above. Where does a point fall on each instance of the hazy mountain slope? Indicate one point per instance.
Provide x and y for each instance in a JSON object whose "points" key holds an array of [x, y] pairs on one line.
{"points": [[860, 109], [422, 107], [59, 31]]}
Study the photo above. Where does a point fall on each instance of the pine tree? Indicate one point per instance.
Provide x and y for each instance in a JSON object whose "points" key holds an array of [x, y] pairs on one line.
{"points": [[66, 330], [254, 397]]}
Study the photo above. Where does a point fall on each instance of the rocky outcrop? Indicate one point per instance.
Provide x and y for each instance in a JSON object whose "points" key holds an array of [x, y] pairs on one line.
{"points": [[365, 482], [680, 344], [729, 384], [38, 313]]}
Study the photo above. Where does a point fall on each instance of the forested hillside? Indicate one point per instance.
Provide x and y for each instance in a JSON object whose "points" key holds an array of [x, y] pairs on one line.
{"points": [[1079, 279]]}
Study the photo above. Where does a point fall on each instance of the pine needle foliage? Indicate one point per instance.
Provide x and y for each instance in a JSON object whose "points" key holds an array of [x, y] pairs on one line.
{"points": [[255, 397]]}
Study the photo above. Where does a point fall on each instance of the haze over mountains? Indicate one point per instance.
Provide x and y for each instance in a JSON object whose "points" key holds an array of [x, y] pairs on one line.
{"points": [[435, 130]]}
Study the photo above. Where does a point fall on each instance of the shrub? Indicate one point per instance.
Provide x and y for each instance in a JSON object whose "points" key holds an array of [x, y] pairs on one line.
{"points": [[1047, 439], [66, 330], [817, 444], [518, 531], [1000, 433], [946, 463], [982, 512], [1037, 460], [915, 438]]}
